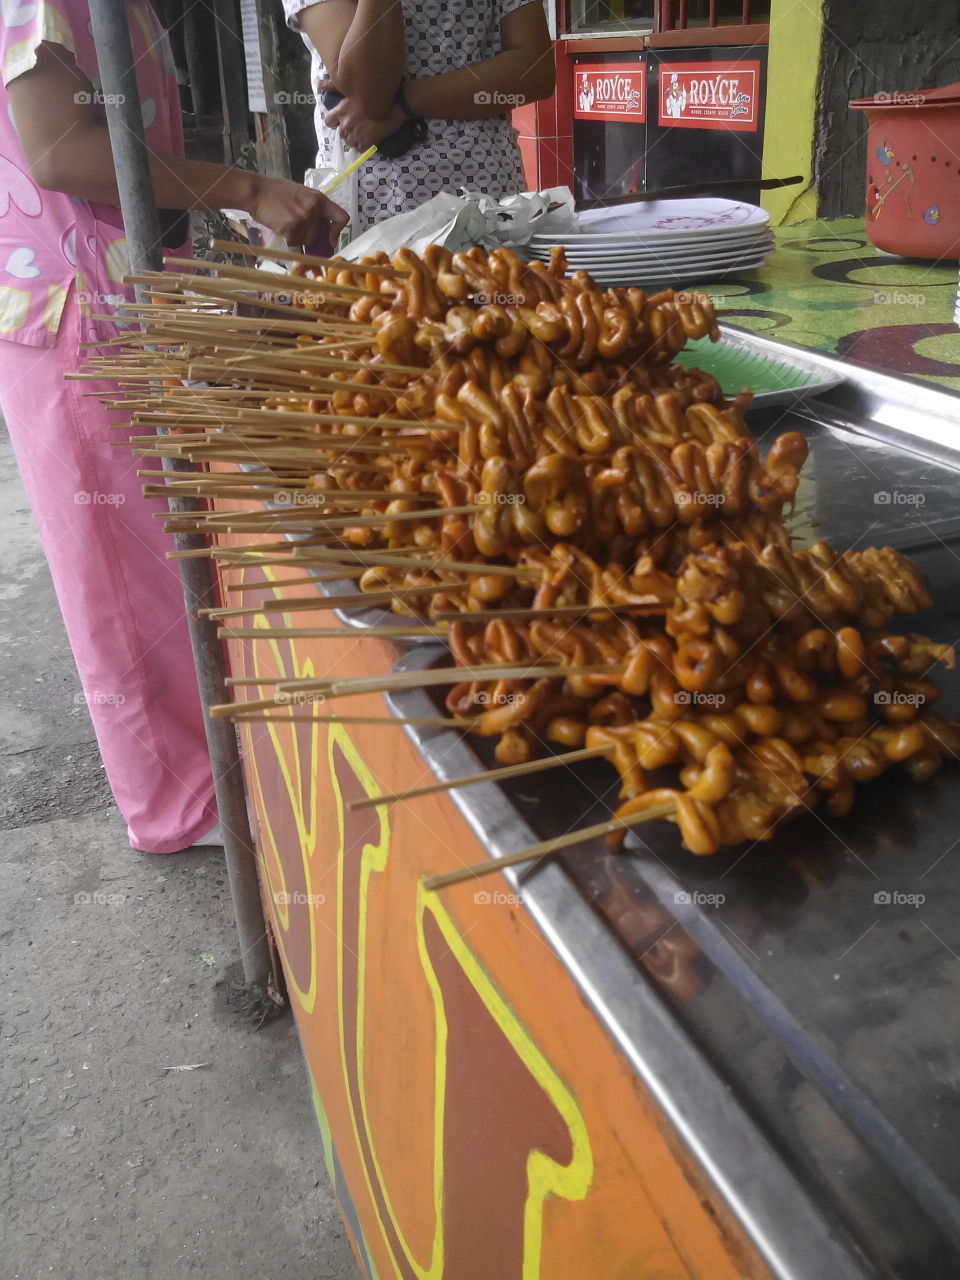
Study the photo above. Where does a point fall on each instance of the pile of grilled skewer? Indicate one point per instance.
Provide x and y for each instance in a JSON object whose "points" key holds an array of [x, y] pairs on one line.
{"points": [[513, 457]]}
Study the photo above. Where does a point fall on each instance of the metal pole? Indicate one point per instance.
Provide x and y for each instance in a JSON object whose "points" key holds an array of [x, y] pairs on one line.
{"points": [[142, 227]]}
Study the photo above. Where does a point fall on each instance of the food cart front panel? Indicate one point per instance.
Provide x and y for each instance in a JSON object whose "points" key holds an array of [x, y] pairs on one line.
{"points": [[477, 1119]]}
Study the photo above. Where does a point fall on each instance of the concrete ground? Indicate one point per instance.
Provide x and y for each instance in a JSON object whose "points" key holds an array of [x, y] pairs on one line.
{"points": [[113, 1167]]}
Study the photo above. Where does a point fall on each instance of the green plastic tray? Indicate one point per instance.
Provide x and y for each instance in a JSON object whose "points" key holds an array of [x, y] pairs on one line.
{"points": [[772, 380]]}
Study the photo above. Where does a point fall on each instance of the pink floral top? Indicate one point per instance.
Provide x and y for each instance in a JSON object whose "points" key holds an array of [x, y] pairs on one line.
{"points": [[50, 241]]}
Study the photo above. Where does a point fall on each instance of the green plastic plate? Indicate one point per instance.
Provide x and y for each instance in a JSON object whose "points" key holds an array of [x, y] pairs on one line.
{"points": [[772, 380]]}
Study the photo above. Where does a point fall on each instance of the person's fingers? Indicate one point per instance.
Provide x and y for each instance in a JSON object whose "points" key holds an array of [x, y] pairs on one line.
{"points": [[301, 215], [311, 227], [338, 218], [333, 118]]}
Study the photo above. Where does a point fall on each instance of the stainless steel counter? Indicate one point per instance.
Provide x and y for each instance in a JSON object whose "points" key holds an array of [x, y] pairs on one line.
{"points": [[793, 1006]]}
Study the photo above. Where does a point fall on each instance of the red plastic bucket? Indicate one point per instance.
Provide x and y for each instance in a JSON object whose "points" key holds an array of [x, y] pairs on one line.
{"points": [[913, 171]]}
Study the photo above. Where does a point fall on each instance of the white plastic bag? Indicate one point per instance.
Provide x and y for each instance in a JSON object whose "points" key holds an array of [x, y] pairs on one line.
{"points": [[457, 222]]}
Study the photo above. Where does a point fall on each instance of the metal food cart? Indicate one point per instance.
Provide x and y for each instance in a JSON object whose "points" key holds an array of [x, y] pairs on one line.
{"points": [[637, 1064]]}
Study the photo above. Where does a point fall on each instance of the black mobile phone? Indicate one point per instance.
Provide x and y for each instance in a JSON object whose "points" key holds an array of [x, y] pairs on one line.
{"points": [[410, 134]]}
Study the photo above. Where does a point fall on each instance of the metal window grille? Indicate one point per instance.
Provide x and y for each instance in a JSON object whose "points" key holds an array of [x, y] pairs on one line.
{"points": [[683, 15]]}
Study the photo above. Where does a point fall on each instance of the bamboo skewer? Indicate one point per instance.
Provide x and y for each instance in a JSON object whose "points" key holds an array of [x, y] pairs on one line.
{"points": [[303, 553], [237, 478], [322, 633], [268, 493], [359, 463], [303, 494], [279, 440], [295, 439], [353, 561], [215, 477], [549, 611], [436, 722], [257, 682], [355, 600], [243, 294], [296, 605], [313, 355], [403, 558], [308, 260], [274, 281], [293, 691], [350, 567], [545, 847], [262, 450], [182, 440], [327, 572], [259, 324], [360, 600], [293, 449], [225, 553], [292, 418], [400, 680], [216, 430], [239, 556], [115, 373], [487, 775], [177, 332], [236, 710], [245, 347], [197, 398], [218, 519], [335, 575], [295, 556], [290, 378], [179, 336]]}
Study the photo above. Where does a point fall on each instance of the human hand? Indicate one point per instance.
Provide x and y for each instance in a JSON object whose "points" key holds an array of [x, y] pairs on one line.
{"points": [[295, 212], [359, 129]]}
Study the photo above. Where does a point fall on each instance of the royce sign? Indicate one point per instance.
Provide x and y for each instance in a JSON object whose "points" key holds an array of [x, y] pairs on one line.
{"points": [[610, 91], [705, 95]]}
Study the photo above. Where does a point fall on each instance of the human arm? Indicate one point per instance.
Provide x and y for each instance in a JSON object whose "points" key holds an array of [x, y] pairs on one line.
{"points": [[522, 72], [361, 45], [67, 149]]}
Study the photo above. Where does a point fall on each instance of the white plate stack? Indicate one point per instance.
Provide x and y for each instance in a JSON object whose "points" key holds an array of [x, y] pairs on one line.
{"points": [[665, 242]]}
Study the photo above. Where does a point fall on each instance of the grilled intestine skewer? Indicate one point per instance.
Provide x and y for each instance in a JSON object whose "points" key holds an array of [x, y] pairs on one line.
{"points": [[730, 795]]}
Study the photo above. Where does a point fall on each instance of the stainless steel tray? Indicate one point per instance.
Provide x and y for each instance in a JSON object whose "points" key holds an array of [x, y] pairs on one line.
{"points": [[884, 454], [809, 1051]]}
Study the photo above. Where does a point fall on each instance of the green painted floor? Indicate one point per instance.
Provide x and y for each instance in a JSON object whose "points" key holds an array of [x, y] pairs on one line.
{"points": [[825, 286]]}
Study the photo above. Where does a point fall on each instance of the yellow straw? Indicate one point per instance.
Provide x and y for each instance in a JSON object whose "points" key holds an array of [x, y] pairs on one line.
{"points": [[345, 173]]}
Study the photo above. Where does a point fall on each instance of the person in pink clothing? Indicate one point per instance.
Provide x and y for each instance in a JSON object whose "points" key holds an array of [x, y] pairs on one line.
{"points": [[62, 259]]}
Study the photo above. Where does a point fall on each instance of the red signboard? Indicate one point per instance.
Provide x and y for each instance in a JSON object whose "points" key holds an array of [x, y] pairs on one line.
{"points": [[708, 95], [610, 91]]}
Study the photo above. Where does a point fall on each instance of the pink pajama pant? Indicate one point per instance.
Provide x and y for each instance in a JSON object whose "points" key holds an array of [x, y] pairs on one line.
{"points": [[120, 598]]}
